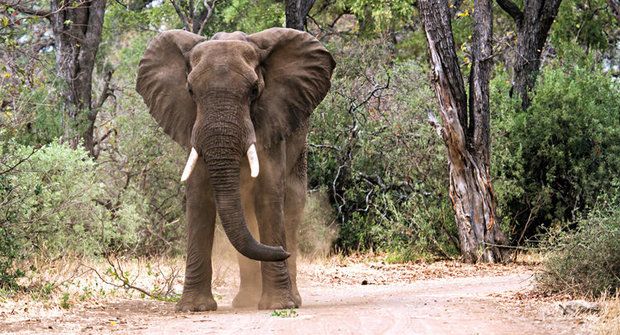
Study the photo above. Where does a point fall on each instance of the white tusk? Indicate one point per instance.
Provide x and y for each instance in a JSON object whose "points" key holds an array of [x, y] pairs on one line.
{"points": [[189, 166], [253, 159]]}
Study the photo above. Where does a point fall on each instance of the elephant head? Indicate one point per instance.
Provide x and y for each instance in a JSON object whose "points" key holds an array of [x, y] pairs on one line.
{"points": [[222, 97]]}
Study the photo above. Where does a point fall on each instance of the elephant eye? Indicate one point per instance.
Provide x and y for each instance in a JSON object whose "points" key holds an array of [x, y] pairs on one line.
{"points": [[189, 89], [254, 91]]}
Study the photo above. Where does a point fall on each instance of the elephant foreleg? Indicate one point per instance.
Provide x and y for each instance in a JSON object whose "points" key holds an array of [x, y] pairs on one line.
{"points": [[200, 213]]}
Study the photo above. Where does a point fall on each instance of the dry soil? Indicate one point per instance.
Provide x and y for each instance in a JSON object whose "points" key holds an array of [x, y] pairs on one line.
{"points": [[340, 297]]}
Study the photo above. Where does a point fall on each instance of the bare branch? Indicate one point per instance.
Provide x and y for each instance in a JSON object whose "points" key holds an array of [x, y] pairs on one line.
{"points": [[181, 15], [204, 16], [306, 6], [106, 135], [511, 9], [106, 92], [27, 10], [34, 150], [120, 276], [117, 273]]}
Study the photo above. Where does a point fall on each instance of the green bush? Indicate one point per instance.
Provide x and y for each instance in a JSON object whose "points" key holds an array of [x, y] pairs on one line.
{"points": [[50, 198], [52, 204], [554, 160], [139, 164], [9, 254], [141, 168], [383, 166], [586, 261]]}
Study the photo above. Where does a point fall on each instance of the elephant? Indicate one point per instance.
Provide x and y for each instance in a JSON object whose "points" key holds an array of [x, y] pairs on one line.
{"points": [[234, 96]]}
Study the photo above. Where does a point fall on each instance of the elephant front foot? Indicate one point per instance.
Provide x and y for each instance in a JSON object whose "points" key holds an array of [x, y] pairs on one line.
{"points": [[196, 302], [296, 297], [278, 300], [246, 298]]}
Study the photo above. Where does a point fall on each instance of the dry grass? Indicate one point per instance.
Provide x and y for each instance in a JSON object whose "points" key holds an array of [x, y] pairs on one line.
{"points": [[609, 321]]}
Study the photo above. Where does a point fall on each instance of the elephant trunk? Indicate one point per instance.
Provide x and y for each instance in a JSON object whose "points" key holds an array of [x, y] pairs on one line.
{"points": [[222, 155]]}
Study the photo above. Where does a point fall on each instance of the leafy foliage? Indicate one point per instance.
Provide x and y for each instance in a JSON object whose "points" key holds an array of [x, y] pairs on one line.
{"points": [[588, 23], [555, 159], [374, 17], [252, 16], [371, 146]]}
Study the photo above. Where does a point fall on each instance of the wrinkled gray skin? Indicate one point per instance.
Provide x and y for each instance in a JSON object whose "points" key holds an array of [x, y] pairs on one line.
{"points": [[220, 96]]}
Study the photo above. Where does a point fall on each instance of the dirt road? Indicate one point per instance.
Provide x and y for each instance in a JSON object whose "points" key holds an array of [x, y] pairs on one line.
{"points": [[443, 306], [393, 301]]}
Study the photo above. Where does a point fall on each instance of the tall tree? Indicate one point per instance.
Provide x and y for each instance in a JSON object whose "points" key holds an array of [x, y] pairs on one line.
{"points": [[296, 13], [77, 26], [533, 25], [465, 127]]}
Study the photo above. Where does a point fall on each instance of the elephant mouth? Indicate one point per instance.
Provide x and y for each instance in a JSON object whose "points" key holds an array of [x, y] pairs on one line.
{"points": [[251, 154]]}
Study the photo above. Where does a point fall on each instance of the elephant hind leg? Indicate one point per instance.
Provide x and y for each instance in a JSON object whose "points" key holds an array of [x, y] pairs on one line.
{"points": [[295, 201], [269, 197]]}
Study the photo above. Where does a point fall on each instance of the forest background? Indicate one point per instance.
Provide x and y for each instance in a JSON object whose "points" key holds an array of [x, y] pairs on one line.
{"points": [[85, 170]]}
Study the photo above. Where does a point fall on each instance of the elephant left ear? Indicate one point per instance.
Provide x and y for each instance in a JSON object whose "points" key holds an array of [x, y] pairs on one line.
{"points": [[296, 70]]}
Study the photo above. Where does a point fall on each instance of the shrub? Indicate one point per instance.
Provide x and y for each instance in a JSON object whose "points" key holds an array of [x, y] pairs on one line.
{"points": [[554, 160], [50, 198], [9, 254], [140, 168], [586, 261], [138, 163], [52, 204], [372, 149]]}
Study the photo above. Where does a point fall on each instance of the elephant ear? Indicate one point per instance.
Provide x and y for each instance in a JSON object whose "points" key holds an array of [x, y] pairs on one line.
{"points": [[296, 70], [162, 83]]}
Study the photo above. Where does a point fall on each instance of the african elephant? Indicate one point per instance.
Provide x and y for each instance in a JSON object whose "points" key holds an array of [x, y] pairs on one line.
{"points": [[228, 97]]}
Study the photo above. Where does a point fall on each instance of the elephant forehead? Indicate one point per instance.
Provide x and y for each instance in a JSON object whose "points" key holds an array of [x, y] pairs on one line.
{"points": [[224, 51], [237, 35]]}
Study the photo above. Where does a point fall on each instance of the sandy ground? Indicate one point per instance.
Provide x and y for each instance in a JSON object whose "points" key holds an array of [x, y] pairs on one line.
{"points": [[339, 298]]}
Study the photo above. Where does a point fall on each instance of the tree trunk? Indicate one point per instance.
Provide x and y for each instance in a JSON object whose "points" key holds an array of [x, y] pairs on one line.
{"points": [[296, 12], [471, 191], [533, 26], [614, 7], [77, 27]]}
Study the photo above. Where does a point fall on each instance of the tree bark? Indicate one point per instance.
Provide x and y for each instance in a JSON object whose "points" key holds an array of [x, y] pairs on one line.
{"points": [[533, 26], [614, 6], [77, 27], [296, 13], [465, 131]]}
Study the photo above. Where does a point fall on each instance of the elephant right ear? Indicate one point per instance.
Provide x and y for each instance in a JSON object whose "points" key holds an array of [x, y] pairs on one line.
{"points": [[162, 83]]}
